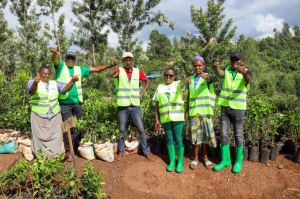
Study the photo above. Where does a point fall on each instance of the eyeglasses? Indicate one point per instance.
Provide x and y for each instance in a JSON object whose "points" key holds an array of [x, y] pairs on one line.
{"points": [[166, 75]]}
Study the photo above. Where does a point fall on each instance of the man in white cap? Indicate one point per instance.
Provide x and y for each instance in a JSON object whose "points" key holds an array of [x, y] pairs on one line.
{"points": [[71, 102], [128, 100]]}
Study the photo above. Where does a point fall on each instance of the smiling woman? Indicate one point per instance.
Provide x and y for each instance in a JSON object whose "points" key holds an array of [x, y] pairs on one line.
{"points": [[45, 112]]}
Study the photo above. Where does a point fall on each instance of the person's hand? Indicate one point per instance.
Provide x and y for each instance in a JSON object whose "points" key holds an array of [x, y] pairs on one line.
{"points": [[241, 69], [54, 50], [187, 79], [205, 76], [74, 78], [113, 63], [112, 73], [141, 95], [157, 124], [216, 64], [37, 78]]}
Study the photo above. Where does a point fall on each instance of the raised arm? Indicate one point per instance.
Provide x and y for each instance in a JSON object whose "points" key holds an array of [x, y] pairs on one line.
{"points": [[34, 86], [55, 57], [147, 84], [185, 81], [218, 71], [69, 86], [100, 68]]}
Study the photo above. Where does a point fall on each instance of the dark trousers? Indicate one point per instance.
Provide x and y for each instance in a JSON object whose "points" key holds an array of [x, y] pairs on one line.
{"points": [[67, 111], [236, 118]]}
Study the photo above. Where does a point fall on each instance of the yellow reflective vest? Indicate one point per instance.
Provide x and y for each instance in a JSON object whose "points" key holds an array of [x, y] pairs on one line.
{"points": [[65, 78], [41, 100], [201, 100], [234, 92], [128, 94], [171, 109]]}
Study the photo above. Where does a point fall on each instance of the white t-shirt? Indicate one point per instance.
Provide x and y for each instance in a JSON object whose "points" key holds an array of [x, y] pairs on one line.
{"points": [[167, 89]]}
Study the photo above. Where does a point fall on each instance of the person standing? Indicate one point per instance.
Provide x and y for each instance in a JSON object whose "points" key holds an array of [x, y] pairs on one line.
{"points": [[233, 100], [71, 102], [128, 101], [169, 108], [201, 100], [45, 115]]}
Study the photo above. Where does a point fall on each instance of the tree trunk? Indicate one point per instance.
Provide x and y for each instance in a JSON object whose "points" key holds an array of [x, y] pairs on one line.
{"points": [[56, 35], [92, 36]]}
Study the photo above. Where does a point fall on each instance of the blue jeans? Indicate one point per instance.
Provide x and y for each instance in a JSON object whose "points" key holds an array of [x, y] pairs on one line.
{"points": [[136, 115], [236, 117]]}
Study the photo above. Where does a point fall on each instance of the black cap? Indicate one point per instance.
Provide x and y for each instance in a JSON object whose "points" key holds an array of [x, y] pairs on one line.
{"points": [[236, 54], [70, 54]]}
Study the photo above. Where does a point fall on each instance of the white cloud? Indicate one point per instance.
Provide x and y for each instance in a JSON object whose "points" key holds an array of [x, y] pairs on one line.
{"points": [[264, 36], [266, 24]]}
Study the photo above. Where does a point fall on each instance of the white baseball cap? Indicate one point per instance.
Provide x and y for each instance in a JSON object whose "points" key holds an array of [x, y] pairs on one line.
{"points": [[127, 54]]}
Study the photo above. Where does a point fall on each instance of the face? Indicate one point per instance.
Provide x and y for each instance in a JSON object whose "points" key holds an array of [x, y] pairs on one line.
{"points": [[45, 75], [235, 62], [198, 66], [127, 62], [70, 61], [169, 76]]}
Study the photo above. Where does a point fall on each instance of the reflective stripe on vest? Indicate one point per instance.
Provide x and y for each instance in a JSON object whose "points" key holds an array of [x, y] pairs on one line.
{"points": [[65, 77], [128, 94], [201, 101], [171, 109], [41, 100], [234, 92]]}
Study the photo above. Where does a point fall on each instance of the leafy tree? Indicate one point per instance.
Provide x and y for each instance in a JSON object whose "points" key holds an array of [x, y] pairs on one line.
{"points": [[296, 30], [160, 45], [213, 41], [89, 33], [51, 7], [132, 15], [28, 33], [6, 44], [285, 29]]}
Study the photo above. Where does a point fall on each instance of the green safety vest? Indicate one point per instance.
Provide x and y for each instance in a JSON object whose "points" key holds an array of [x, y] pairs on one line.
{"points": [[65, 78], [41, 100], [128, 94], [171, 109], [201, 101], [234, 92]]}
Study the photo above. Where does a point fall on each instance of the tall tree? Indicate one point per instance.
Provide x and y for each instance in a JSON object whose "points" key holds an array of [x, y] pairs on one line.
{"points": [[296, 30], [285, 29], [132, 15], [89, 33], [213, 41], [28, 33], [51, 7], [160, 45], [6, 43]]}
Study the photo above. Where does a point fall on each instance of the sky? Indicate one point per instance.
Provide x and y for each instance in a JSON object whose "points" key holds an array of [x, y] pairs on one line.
{"points": [[254, 18]]}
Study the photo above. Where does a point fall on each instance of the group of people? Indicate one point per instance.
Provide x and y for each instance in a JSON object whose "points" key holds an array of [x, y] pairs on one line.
{"points": [[54, 101]]}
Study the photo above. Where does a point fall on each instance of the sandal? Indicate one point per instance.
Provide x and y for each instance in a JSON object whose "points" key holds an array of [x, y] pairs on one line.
{"points": [[208, 164], [195, 164]]}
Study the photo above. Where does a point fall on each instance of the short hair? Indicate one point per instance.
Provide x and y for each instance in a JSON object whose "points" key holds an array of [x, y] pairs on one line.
{"points": [[173, 69], [41, 68]]}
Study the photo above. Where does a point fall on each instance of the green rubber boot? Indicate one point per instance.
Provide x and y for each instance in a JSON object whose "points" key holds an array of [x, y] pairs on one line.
{"points": [[238, 160], [171, 151], [225, 155], [180, 152]]}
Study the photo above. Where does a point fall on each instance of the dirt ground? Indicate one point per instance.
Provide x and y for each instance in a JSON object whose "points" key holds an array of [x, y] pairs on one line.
{"points": [[136, 177]]}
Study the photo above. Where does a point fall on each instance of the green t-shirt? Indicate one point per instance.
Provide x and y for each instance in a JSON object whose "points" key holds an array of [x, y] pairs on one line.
{"points": [[73, 95]]}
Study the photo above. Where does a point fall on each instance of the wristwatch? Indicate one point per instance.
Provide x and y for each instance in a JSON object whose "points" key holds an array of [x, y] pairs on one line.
{"points": [[245, 73]]}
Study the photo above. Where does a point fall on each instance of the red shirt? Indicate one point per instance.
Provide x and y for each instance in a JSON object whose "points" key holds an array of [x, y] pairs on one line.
{"points": [[129, 74]]}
